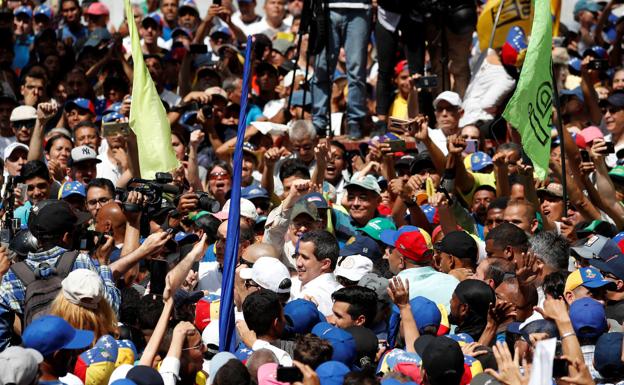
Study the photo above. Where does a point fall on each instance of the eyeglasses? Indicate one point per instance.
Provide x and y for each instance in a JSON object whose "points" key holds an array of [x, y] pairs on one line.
{"points": [[611, 109], [199, 346], [17, 156], [219, 175], [242, 261], [249, 283], [451, 109], [102, 201], [29, 124]]}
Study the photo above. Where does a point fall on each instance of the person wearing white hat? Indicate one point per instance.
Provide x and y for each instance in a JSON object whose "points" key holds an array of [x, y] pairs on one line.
{"points": [[448, 111], [248, 212], [19, 366], [267, 273], [23, 122], [15, 156]]}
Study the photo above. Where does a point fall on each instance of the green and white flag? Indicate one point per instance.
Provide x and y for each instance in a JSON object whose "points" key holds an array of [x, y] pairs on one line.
{"points": [[530, 107]]}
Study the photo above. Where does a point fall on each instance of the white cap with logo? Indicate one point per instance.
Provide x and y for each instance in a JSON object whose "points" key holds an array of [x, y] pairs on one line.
{"points": [[269, 273], [247, 210], [451, 97], [353, 267]]}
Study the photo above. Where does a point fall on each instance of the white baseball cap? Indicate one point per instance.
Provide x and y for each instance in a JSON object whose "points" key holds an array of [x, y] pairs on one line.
{"points": [[82, 154], [353, 267], [83, 287], [23, 113], [247, 210], [12, 147], [269, 273], [19, 365], [452, 97]]}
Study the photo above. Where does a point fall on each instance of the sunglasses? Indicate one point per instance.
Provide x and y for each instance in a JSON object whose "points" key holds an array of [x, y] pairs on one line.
{"points": [[219, 176], [29, 124], [611, 109]]}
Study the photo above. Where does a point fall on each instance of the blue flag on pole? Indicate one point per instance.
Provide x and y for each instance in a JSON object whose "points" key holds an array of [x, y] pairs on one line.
{"points": [[227, 327]]}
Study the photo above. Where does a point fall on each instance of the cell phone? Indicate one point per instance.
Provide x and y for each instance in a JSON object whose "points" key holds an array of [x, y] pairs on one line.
{"points": [[289, 374], [23, 188], [198, 48], [585, 156], [114, 129], [427, 82], [610, 148], [397, 145], [598, 64], [471, 146], [216, 2], [560, 368]]}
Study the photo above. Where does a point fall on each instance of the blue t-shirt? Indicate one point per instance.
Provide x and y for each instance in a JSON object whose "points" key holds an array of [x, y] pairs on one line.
{"points": [[21, 49], [209, 255], [22, 213]]}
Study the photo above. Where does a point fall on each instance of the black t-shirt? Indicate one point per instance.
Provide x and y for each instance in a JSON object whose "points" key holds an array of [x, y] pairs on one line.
{"points": [[615, 310]]}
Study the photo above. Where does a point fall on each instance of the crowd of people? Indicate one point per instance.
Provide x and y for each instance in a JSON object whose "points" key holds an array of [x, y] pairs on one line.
{"points": [[392, 229]]}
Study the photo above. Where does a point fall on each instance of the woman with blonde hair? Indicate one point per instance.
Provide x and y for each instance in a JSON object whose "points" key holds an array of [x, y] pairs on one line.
{"points": [[81, 302]]}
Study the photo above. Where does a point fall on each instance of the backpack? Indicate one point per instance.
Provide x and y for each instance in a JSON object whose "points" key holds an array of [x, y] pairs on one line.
{"points": [[40, 292]]}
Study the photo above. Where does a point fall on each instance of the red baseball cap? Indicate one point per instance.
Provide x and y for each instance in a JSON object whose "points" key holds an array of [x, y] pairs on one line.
{"points": [[97, 9], [412, 245]]}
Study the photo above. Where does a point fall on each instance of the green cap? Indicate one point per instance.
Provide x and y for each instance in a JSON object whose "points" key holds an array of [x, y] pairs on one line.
{"points": [[367, 182], [617, 172], [304, 207], [375, 226]]}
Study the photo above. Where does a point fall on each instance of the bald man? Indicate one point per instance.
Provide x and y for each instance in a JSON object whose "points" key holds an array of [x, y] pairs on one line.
{"points": [[250, 256], [111, 220]]}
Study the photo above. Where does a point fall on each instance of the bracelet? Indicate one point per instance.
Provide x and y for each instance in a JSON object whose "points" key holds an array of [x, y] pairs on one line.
{"points": [[568, 334]]}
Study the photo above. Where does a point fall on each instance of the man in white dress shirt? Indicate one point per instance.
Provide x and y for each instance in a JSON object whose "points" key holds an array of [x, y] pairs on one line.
{"points": [[317, 254]]}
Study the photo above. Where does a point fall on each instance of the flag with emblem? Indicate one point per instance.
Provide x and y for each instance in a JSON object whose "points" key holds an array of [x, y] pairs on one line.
{"points": [[515, 46], [148, 118], [530, 107], [95, 366], [126, 353]]}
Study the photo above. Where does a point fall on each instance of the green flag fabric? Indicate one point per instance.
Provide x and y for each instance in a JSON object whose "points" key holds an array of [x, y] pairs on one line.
{"points": [[530, 107], [148, 118]]}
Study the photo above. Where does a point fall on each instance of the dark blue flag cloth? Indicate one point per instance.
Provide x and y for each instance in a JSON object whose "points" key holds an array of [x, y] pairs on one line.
{"points": [[227, 327]]}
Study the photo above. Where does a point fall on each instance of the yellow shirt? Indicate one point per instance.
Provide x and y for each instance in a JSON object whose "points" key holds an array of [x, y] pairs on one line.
{"points": [[398, 109], [480, 180]]}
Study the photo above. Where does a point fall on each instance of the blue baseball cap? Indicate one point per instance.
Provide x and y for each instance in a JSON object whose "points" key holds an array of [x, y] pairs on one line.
{"points": [[461, 338], [317, 200], [186, 121], [596, 52], [253, 192], [425, 312], [80, 103], [188, 4], [155, 17], [299, 101], [49, 334], [23, 10], [586, 5], [588, 318], [332, 372], [73, 188], [480, 160], [43, 10], [341, 340], [361, 244], [608, 355], [301, 316], [430, 212], [602, 253], [181, 31], [112, 117], [115, 107], [389, 237], [588, 277], [576, 92]]}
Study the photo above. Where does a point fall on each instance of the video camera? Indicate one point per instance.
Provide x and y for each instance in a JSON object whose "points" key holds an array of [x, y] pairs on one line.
{"points": [[153, 190], [10, 225]]}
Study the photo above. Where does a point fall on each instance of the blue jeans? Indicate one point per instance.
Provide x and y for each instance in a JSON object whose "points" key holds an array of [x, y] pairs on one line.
{"points": [[349, 28]]}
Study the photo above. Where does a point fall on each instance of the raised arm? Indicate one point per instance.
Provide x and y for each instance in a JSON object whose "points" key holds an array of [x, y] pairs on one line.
{"points": [[45, 112]]}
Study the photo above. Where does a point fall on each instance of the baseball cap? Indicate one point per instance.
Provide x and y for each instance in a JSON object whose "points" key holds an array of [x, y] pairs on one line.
{"points": [[576, 92], [366, 344], [443, 360], [154, 17], [112, 117], [282, 46], [73, 188], [586, 5], [426, 312], [376, 226], [97, 36], [608, 355], [263, 67], [596, 246], [459, 244], [317, 199], [353, 267], [97, 9], [83, 287], [49, 334], [389, 237], [188, 4], [479, 160], [247, 210], [254, 192], [267, 375], [404, 161], [43, 10], [609, 262], [588, 277], [269, 273], [589, 134], [298, 99], [332, 372], [484, 379], [361, 245], [218, 91], [451, 97], [20, 366], [83, 154], [588, 317], [617, 173], [616, 99], [181, 31], [184, 297], [53, 217], [23, 113], [422, 161], [412, 245], [301, 316], [207, 311], [367, 182], [12, 147], [23, 10], [80, 103], [304, 207], [222, 30], [597, 227], [145, 375], [552, 190], [341, 340]]}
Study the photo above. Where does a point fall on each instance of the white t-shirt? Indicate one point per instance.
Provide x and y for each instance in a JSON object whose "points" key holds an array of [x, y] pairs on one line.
{"points": [[245, 27], [108, 168], [320, 289], [210, 276], [438, 138], [263, 27]]}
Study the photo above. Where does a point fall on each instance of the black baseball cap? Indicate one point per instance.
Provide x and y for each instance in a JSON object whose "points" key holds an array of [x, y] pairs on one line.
{"points": [[443, 361], [459, 244], [422, 161], [52, 217]]}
